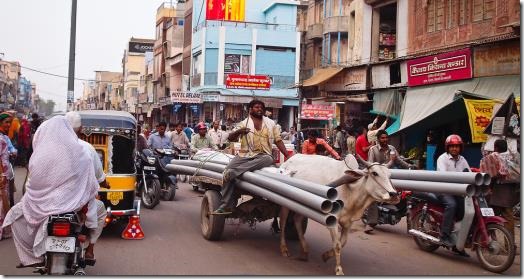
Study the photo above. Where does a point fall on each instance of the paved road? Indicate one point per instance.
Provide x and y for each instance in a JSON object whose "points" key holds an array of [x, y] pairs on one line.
{"points": [[174, 246]]}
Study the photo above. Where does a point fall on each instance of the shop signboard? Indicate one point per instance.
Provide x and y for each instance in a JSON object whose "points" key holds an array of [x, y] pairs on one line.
{"points": [[444, 67], [232, 63], [208, 98], [317, 112], [186, 97], [252, 82], [347, 80], [479, 117], [140, 47], [497, 60]]}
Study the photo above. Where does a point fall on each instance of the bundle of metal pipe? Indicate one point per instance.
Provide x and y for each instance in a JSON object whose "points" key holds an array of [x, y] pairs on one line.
{"points": [[473, 178], [435, 187], [318, 208]]}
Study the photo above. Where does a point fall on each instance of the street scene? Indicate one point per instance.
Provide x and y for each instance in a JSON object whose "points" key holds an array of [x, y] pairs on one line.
{"points": [[249, 137]]}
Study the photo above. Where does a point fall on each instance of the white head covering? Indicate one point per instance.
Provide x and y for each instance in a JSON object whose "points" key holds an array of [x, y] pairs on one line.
{"points": [[60, 170], [74, 119]]}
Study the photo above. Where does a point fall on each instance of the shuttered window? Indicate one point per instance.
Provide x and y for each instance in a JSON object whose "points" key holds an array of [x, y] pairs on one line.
{"points": [[431, 15], [435, 19], [463, 12], [440, 15], [452, 13], [483, 9]]}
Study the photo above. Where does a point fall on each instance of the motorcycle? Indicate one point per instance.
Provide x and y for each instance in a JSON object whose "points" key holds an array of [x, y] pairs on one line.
{"points": [[65, 245], [479, 229], [391, 214], [148, 183], [168, 181]]}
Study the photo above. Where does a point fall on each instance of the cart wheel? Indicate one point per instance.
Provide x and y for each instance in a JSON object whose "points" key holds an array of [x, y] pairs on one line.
{"points": [[291, 231], [212, 225]]}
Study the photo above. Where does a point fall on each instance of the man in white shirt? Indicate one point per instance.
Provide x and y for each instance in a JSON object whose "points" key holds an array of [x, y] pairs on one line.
{"points": [[451, 160], [218, 136]]}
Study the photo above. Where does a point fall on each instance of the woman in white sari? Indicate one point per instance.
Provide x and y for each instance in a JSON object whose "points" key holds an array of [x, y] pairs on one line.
{"points": [[62, 179]]}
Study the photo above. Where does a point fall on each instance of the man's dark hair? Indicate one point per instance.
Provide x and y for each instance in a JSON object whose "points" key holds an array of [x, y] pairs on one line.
{"points": [[162, 124], [360, 129], [184, 124], [338, 128], [381, 132], [500, 145], [313, 133], [256, 102], [171, 124], [223, 127], [179, 124], [34, 115]]}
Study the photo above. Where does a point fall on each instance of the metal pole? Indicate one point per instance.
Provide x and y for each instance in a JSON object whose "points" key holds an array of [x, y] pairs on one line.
{"points": [[71, 74], [299, 121]]}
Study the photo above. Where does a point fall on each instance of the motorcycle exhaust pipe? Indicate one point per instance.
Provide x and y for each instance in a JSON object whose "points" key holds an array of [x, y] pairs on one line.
{"points": [[424, 236]]}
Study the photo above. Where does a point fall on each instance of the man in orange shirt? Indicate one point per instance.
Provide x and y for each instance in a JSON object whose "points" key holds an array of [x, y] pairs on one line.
{"points": [[310, 145]]}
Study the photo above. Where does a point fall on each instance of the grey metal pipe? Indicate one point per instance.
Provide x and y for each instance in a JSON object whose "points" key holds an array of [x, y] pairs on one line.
{"points": [[435, 187], [328, 220], [309, 199], [315, 188], [341, 203], [474, 178], [336, 208], [192, 170], [487, 179], [193, 163]]}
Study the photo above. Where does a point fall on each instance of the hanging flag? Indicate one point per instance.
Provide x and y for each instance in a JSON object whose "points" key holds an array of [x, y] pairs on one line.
{"points": [[215, 9], [479, 117], [235, 10]]}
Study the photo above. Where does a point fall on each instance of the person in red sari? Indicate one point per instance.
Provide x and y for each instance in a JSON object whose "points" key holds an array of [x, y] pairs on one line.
{"points": [[24, 142]]}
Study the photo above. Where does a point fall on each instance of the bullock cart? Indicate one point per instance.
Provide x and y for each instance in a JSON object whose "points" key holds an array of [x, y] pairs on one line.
{"points": [[258, 196]]}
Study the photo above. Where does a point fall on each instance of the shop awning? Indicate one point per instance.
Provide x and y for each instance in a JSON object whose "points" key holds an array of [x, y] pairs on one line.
{"points": [[321, 76], [422, 102]]}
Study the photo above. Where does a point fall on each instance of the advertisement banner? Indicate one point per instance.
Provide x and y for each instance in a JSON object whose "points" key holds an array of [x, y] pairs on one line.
{"points": [[186, 97], [317, 112], [140, 47], [231, 10], [479, 117], [455, 65], [253, 82], [232, 63]]}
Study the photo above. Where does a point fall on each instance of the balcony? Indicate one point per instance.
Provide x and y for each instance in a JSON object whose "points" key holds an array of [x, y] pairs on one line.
{"points": [[336, 24], [195, 80], [314, 31]]}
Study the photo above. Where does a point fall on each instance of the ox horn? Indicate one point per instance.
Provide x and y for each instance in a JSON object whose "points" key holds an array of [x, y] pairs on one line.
{"points": [[362, 161]]}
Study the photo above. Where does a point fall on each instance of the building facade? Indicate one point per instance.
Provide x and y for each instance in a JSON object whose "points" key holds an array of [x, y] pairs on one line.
{"points": [[133, 66], [249, 38]]}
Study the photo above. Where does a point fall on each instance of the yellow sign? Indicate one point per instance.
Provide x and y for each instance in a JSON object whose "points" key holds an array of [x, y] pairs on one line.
{"points": [[115, 197], [479, 116]]}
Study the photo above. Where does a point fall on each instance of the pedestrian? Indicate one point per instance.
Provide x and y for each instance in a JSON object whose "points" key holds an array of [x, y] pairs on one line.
{"points": [[338, 141], [373, 129], [313, 143], [257, 134], [188, 131], [96, 211], [61, 179], [141, 140], [201, 140], [229, 125], [504, 169], [362, 144], [24, 142], [451, 160], [386, 154], [35, 123], [159, 139], [14, 128], [12, 151], [5, 175], [218, 136], [171, 129], [179, 138], [350, 142]]}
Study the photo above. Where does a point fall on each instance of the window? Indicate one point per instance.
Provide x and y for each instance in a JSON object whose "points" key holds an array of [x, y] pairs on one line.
{"points": [[483, 9], [196, 64], [435, 15], [451, 17], [236, 63], [394, 74], [463, 12], [181, 22]]}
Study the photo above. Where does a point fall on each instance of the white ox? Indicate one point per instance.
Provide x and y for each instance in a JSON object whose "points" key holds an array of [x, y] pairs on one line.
{"points": [[359, 189]]}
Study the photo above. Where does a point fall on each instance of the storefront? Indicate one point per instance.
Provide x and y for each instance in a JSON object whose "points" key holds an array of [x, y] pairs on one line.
{"points": [[186, 107]]}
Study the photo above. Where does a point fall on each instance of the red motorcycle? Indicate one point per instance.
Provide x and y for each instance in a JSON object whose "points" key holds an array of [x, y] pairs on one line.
{"points": [[479, 229]]}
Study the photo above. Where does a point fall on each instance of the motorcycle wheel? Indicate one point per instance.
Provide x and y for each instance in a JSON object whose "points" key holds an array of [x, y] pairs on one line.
{"points": [[152, 197], [168, 191], [425, 225], [364, 217], [499, 255]]}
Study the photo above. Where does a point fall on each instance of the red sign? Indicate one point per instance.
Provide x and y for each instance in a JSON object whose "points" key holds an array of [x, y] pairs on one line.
{"points": [[317, 112], [443, 67], [240, 81]]}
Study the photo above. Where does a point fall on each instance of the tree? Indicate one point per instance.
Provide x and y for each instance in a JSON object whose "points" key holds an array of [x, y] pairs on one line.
{"points": [[46, 107]]}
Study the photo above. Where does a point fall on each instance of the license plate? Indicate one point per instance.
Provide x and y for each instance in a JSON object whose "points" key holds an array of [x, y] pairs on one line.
{"points": [[60, 244], [487, 212], [115, 196], [149, 168]]}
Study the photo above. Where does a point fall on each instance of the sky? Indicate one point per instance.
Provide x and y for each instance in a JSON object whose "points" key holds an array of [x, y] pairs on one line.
{"points": [[36, 34]]}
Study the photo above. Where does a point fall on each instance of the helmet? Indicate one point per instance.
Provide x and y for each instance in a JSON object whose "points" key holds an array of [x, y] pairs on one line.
{"points": [[454, 140]]}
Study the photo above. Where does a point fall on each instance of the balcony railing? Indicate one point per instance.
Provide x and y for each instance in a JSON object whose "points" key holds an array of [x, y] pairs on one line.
{"points": [[246, 25], [336, 24], [314, 31]]}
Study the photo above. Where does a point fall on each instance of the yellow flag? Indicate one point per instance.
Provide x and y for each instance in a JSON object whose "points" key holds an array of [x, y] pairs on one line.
{"points": [[479, 116]]}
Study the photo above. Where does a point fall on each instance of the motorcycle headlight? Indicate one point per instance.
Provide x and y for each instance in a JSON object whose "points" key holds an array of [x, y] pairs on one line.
{"points": [[151, 160]]}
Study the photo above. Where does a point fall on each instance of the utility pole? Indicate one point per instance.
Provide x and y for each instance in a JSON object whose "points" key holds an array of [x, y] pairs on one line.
{"points": [[71, 74]]}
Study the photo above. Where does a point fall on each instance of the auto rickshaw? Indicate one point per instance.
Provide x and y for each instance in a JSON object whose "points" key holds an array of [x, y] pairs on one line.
{"points": [[113, 135]]}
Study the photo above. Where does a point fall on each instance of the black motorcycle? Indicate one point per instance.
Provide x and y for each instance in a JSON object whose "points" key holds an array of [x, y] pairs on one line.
{"points": [[391, 214], [65, 244], [148, 183], [168, 181]]}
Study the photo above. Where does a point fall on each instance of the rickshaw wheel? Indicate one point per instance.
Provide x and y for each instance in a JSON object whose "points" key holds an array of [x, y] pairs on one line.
{"points": [[212, 225]]}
